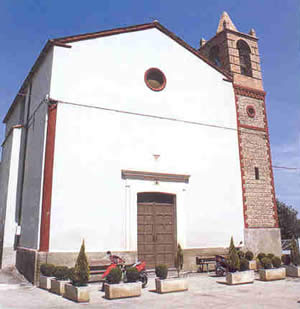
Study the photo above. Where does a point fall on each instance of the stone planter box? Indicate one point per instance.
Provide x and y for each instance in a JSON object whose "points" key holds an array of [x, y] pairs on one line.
{"points": [[252, 265], [171, 285], [292, 270], [122, 290], [58, 286], [272, 274], [45, 282], [240, 277], [79, 294]]}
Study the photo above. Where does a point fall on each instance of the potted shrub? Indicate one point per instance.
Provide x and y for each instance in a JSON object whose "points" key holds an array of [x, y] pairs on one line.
{"points": [[61, 275], [132, 274], [79, 276], [271, 269], [239, 272], [164, 285], [179, 260], [114, 289], [46, 274], [241, 254], [259, 257], [292, 262], [250, 257]]}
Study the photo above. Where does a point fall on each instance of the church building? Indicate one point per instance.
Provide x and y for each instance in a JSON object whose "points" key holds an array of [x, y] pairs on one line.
{"points": [[136, 142]]}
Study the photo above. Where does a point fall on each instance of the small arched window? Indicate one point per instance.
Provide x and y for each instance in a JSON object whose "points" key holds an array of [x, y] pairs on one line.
{"points": [[244, 55], [214, 55]]}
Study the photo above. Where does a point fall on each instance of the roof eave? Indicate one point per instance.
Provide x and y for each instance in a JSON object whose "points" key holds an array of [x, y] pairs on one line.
{"points": [[21, 91]]}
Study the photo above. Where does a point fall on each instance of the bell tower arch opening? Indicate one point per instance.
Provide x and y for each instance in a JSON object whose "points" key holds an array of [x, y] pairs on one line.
{"points": [[214, 55], [244, 56]]}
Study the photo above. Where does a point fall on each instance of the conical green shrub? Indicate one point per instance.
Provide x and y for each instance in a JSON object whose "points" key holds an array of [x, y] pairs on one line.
{"points": [[295, 256], [81, 273], [179, 259], [233, 260]]}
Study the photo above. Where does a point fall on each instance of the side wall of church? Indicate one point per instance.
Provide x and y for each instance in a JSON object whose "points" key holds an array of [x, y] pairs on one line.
{"points": [[33, 154]]}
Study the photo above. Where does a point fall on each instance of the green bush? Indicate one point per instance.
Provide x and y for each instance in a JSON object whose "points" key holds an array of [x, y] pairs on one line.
{"points": [[61, 273], [114, 276], [244, 264], [241, 254], [270, 255], [161, 271], [266, 263], [80, 274], [179, 259], [132, 274], [72, 275], [276, 261], [47, 269], [249, 255], [233, 259], [295, 256], [286, 259], [261, 255]]}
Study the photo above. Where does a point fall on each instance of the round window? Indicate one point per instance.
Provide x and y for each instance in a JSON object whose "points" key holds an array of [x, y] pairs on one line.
{"points": [[155, 79], [250, 111]]}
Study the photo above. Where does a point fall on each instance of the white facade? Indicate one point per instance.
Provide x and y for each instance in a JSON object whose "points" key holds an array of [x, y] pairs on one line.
{"points": [[92, 146]]}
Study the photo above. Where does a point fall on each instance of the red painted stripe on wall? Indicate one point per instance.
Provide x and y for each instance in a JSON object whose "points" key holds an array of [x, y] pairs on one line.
{"points": [[48, 177]]}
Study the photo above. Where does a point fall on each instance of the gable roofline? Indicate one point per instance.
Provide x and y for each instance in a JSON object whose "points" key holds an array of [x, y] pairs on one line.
{"points": [[154, 24], [62, 42]]}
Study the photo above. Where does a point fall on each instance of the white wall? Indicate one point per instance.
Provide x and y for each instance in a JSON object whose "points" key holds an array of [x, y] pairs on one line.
{"points": [[10, 224], [92, 146], [9, 180]]}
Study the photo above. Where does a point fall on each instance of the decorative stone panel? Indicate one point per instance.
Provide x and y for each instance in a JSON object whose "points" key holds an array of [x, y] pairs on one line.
{"points": [[258, 193], [259, 119]]}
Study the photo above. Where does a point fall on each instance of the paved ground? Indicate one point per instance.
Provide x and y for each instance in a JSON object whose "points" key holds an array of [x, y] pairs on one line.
{"points": [[204, 292]]}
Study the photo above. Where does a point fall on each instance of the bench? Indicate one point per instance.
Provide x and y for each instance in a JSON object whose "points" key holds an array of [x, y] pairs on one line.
{"points": [[97, 269], [205, 261]]}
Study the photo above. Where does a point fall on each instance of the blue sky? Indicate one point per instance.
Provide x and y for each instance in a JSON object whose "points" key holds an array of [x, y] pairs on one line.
{"points": [[26, 25]]}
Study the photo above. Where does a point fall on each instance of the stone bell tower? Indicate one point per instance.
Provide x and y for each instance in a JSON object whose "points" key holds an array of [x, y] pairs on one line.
{"points": [[237, 53]]}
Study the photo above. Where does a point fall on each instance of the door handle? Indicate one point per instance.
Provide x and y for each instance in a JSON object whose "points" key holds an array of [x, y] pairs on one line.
{"points": [[153, 237]]}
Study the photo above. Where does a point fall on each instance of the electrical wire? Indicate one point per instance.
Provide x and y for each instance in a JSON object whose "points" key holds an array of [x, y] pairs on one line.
{"points": [[158, 117], [154, 117]]}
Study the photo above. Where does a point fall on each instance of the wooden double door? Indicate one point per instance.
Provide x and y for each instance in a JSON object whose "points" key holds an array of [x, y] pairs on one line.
{"points": [[157, 230]]}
